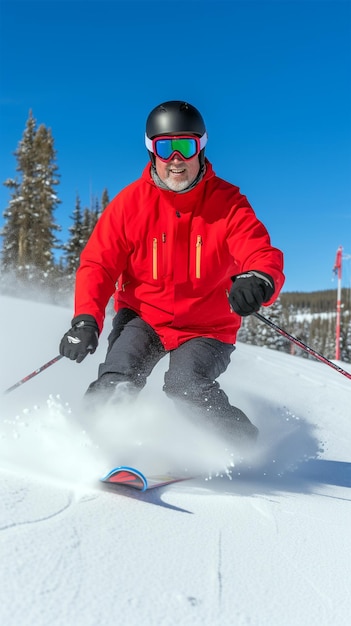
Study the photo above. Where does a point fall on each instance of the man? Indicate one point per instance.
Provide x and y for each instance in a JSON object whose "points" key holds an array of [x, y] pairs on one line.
{"points": [[185, 257]]}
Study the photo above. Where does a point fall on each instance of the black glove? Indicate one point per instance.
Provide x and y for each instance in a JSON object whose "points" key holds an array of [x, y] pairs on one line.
{"points": [[81, 339], [249, 290]]}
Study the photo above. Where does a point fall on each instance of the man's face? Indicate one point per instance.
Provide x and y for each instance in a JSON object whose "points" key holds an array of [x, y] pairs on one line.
{"points": [[178, 173]]}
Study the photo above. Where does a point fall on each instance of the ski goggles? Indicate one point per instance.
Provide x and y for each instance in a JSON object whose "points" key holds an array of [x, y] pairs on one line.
{"points": [[186, 146]]}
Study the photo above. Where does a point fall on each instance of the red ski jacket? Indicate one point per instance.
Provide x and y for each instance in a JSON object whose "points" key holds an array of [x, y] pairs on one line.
{"points": [[170, 256]]}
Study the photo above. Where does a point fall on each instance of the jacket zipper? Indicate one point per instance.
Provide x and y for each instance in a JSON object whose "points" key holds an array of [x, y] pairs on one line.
{"points": [[198, 256], [154, 258]]}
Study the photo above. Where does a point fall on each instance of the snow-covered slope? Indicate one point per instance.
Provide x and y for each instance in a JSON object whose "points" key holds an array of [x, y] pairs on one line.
{"points": [[270, 547]]}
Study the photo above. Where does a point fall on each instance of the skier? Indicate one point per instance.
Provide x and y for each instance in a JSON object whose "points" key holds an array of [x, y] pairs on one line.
{"points": [[185, 257]]}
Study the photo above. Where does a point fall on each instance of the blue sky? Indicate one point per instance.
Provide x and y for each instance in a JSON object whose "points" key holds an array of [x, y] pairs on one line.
{"points": [[271, 78]]}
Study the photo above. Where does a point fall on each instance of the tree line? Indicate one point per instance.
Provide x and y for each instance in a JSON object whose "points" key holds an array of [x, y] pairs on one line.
{"points": [[31, 251], [315, 327], [30, 255]]}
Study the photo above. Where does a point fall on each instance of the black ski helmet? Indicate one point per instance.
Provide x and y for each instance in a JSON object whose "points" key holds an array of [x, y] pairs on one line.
{"points": [[173, 117]]}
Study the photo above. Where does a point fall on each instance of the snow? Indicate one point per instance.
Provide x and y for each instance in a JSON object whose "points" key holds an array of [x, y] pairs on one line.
{"points": [[269, 547]]}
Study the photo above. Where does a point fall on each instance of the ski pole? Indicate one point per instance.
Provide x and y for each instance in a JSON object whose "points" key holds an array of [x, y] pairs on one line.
{"points": [[302, 345], [40, 369]]}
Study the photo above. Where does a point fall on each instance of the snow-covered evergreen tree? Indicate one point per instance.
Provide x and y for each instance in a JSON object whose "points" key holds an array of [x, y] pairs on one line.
{"points": [[95, 213], [345, 338], [76, 241], [104, 200], [29, 231], [258, 333], [269, 337], [89, 221]]}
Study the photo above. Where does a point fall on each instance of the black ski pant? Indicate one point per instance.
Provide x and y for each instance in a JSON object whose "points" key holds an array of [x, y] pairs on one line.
{"points": [[134, 349]]}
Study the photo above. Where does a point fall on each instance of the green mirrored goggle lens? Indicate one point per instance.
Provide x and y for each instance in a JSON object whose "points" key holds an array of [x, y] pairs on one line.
{"points": [[187, 147]]}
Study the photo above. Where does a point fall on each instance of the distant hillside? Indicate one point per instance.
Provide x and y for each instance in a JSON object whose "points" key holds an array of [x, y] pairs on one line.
{"points": [[309, 316], [316, 301]]}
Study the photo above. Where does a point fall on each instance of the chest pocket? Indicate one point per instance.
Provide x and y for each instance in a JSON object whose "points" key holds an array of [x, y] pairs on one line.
{"points": [[183, 261], [159, 257]]}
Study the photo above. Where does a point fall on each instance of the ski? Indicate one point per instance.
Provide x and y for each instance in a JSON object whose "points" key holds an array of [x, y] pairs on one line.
{"points": [[133, 478]]}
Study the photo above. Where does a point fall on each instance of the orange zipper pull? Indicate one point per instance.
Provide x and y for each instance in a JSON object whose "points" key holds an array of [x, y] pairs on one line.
{"points": [[198, 256], [154, 258]]}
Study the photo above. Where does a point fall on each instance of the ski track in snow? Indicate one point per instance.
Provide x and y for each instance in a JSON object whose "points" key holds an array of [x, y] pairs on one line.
{"points": [[267, 546]]}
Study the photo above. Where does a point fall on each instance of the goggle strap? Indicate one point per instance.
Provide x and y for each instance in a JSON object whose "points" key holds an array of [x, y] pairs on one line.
{"points": [[203, 140], [148, 142]]}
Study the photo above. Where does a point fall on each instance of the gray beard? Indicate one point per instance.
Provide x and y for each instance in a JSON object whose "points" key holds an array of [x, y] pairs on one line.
{"points": [[157, 180]]}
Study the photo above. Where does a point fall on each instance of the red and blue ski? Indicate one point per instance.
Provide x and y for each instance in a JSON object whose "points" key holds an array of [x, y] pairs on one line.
{"points": [[134, 478]]}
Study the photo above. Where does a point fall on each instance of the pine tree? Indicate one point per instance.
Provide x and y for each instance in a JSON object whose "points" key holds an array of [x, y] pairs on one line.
{"points": [[29, 228], [13, 226], [345, 337], [255, 332], [104, 200], [248, 332], [43, 228], [274, 340], [87, 227], [83, 225], [75, 242], [95, 213]]}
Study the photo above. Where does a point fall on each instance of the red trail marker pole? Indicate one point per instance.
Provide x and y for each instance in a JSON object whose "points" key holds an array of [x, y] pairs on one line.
{"points": [[338, 270]]}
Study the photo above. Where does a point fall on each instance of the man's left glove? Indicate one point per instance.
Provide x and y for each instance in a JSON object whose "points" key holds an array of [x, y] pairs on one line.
{"points": [[81, 339], [249, 290]]}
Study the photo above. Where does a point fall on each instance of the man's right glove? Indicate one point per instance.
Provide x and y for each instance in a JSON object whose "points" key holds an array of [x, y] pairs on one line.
{"points": [[249, 290], [81, 339]]}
